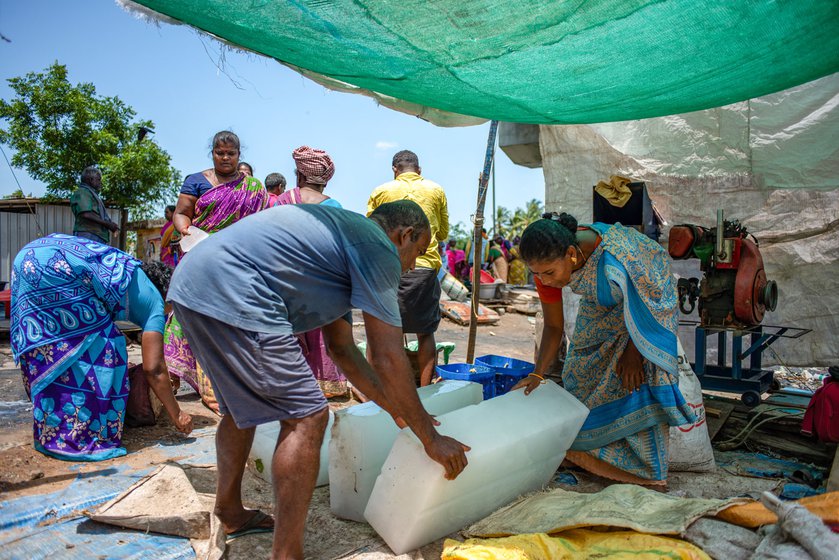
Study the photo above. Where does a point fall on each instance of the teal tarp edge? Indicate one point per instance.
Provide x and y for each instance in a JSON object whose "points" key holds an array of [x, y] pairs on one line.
{"points": [[79, 538], [537, 62], [87, 490], [22, 536]]}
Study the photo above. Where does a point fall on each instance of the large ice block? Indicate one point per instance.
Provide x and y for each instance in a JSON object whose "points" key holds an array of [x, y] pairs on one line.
{"points": [[517, 444], [265, 440], [362, 438]]}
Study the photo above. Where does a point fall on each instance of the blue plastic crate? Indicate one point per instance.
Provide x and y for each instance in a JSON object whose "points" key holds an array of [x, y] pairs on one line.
{"points": [[508, 371], [470, 372]]}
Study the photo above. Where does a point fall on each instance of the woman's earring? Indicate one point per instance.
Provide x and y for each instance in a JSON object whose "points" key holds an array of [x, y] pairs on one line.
{"points": [[573, 260]]}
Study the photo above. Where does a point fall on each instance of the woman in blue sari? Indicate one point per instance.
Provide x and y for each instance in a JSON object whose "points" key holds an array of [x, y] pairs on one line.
{"points": [[622, 360], [66, 294]]}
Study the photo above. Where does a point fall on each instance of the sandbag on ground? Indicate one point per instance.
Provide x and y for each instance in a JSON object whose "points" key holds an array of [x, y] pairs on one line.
{"points": [[621, 505], [755, 514], [796, 526], [690, 445], [722, 541], [576, 544]]}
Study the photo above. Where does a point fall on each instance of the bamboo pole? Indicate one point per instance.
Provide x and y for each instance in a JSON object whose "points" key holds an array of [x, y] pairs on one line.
{"points": [[477, 240]]}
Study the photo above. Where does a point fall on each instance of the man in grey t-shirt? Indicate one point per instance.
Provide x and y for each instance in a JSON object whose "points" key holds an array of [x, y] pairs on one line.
{"points": [[245, 292]]}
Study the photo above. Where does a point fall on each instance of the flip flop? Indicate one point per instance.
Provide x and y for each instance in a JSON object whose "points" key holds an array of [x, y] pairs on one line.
{"points": [[252, 526]]}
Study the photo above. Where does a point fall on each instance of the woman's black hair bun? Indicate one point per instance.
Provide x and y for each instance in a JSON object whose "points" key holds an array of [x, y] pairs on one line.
{"points": [[566, 220]]}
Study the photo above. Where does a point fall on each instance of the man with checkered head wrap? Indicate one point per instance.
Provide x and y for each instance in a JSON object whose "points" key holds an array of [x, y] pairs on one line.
{"points": [[314, 167], [314, 170]]}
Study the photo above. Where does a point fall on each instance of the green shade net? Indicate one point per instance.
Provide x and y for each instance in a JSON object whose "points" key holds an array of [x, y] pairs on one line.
{"points": [[538, 61]]}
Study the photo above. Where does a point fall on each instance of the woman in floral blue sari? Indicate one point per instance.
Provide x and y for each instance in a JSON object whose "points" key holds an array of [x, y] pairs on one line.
{"points": [[66, 293], [622, 360]]}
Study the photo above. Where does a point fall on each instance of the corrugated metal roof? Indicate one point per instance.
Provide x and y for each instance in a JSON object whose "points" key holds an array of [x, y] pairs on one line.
{"points": [[25, 219], [155, 223]]}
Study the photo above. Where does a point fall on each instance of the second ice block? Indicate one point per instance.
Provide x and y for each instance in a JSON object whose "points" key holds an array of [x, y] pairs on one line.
{"points": [[265, 440], [517, 444], [363, 436]]}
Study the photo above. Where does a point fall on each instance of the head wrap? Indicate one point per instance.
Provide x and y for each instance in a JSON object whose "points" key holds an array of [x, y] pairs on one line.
{"points": [[314, 165]]}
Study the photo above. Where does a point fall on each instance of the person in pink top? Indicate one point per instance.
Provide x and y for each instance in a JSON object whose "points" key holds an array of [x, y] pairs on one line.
{"points": [[314, 168], [275, 185], [456, 260]]}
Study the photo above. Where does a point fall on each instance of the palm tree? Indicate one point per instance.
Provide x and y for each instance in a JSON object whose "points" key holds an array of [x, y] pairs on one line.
{"points": [[534, 210], [523, 217], [503, 220]]}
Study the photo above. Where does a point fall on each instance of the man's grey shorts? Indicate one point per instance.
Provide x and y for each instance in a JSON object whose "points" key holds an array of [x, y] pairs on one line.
{"points": [[257, 377]]}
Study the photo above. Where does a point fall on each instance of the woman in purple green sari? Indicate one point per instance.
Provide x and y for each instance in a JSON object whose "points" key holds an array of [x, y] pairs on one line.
{"points": [[66, 293], [210, 200]]}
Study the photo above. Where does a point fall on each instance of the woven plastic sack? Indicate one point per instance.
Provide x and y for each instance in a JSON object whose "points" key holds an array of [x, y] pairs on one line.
{"points": [[690, 445]]}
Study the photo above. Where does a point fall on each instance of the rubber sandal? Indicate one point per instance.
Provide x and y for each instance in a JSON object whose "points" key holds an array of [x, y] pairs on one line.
{"points": [[252, 526]]}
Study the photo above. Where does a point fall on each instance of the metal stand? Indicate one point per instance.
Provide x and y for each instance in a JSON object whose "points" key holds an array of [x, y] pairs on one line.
{"points": [[750, 382]]}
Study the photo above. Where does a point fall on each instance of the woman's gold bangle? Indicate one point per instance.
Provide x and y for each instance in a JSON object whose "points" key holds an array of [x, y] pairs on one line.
{"points": [[537, 376]]}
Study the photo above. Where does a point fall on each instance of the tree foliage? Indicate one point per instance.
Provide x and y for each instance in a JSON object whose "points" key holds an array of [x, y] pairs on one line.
{"points": [[510, 224], [460, 232], [57, 129], [507, 223]]}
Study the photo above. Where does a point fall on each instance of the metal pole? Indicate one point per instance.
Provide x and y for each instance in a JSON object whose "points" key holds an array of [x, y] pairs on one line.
{"points": [[494, 209], [720, 233], [477, 241], [123, 224]]}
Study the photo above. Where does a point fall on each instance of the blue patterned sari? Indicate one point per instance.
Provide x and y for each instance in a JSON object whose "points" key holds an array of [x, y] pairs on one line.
{"points": [[65, 292], [627, 292]]}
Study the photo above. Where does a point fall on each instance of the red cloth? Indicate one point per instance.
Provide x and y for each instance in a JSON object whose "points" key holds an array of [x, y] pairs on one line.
{"points": [[6, 300], [820, 418], [315, 165], [547, 294]]}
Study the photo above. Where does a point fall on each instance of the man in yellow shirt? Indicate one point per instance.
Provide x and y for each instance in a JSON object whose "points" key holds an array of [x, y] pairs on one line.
{"points": [[419, 290]]}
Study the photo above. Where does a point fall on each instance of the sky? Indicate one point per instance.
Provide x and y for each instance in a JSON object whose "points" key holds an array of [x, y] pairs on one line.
{"points": [[191, 87]]}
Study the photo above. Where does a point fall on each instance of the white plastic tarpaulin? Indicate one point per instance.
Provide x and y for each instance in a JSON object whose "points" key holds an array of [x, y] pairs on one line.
{"points": [[771, 162]]}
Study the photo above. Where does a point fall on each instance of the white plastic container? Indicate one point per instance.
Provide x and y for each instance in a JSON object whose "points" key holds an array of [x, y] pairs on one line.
{"points": [[265, 440], [487, 291], [454, 288], [517, 444], [196, 236], [362, 438]]}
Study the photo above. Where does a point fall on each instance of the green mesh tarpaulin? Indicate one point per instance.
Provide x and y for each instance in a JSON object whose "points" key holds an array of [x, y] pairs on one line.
{"points": [[539, 61]]}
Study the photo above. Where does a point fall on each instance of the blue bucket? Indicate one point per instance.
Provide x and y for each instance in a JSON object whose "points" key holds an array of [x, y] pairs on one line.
{"points": [[508, 371], [469, 372]]}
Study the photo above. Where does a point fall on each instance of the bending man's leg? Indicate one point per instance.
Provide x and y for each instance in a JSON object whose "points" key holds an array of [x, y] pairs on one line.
{"points": [[295, 472], [232, 448], [427, 357]]}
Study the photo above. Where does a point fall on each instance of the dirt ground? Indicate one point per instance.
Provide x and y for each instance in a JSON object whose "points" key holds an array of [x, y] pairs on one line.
{"points": [[26, 472]]}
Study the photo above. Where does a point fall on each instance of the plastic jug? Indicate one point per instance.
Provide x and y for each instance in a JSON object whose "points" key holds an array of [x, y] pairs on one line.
{"points": [[196, 236], [517, 444], [453, 287], [362, 438], [265, 440]]}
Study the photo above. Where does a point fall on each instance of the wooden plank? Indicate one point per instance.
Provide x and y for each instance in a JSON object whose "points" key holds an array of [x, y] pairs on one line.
{"points": [[716, 416], [833, 479], [788, 444]]}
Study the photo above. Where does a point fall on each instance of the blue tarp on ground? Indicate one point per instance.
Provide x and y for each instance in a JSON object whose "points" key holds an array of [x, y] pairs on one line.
{"points": [[89, 489], [49, 525], [81, 538], [743, 463]]}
